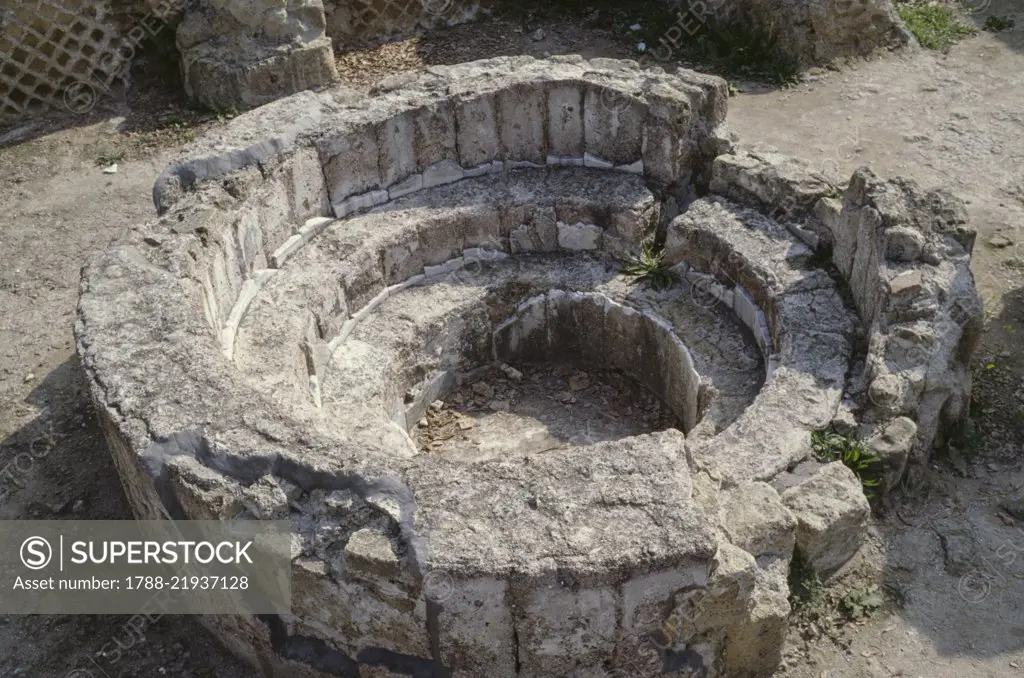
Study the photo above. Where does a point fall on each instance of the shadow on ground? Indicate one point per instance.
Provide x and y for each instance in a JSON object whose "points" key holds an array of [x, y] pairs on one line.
{"points": [[59, 468], [154, 102], [1004, 19], [953, 552]]}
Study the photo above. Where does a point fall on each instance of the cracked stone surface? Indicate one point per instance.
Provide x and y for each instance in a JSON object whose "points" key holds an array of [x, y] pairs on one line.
{"points": [[238, 54], [326, 269]]}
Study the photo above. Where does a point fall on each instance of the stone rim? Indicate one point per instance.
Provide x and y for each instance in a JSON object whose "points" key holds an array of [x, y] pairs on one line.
{"points": [[167, 434]]}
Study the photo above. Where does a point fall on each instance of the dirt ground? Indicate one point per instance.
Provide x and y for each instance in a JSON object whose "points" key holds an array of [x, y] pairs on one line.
{"points": [[945, 556], [539, 409]]}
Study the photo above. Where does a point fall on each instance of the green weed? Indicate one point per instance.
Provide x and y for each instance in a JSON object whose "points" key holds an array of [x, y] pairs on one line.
{"points": [[649, 267], [830, 446], [935, 26], [997, 23], [860, 603]]}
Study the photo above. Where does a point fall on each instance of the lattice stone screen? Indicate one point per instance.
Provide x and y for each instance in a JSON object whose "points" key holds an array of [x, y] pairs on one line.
{"points": [[368, 20], [52, 53]]}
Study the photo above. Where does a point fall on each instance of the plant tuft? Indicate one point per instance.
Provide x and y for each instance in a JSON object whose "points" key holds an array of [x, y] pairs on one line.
{"points": [[997, 23], [935, 26], [649, 267], [830, 446]]}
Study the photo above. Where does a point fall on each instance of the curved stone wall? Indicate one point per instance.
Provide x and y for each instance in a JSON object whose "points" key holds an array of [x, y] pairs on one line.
{"points": [[326, 267], [905, 256]]}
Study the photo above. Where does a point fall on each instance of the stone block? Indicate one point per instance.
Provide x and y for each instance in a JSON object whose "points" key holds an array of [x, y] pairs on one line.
{"points": [[370, 556], [444, 268], [249, 236], [282, 253], [904, 244], [906, 284], [683, 383], [410, 184], [314, 227], [444, 172], [308, 192], [351, 162], [755, 519], [477, 125], [441, 239], [655, 337], [273, 212], [579, 237], [395, 142], [614, 125], [566, 629], [481, 227], [565, 122], [832, 512], [387, 618], [754, 646], [362, 279], [637, 224], [475, 629], [632, 168], [359, 203], [538, 234], [402, 258], [623, 338], [893, 443], [565, 335], [434, 134], [597, 162], [226, 77], [666, 149], [521, 117], [566, 160]]}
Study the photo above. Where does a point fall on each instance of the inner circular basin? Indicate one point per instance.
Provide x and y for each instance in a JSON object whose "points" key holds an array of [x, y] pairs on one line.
{"points": [[532, 409], [602, 358], [490, 377]]}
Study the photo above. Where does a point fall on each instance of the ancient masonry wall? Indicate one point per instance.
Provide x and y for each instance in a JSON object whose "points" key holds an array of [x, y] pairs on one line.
{"points": [[697, 534], [360, 21], [245, 53], [810, 32]]}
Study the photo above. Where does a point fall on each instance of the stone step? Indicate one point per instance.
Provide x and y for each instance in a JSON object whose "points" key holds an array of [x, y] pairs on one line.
{"points": [[428, 337], [532, 210], [332, 272], [755, 266]]}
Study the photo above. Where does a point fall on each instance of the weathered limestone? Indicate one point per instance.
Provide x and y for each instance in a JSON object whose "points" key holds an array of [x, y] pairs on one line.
{"points": [[327, 267], [362, 21], [892, 443], [809, 31], [503, 121], [831, 511], [798, 319], [819, 31], [245, 53], [905, 255]]}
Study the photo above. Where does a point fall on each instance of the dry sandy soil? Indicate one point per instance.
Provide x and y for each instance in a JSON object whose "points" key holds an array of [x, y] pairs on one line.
{"points": [[945, 555]]}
